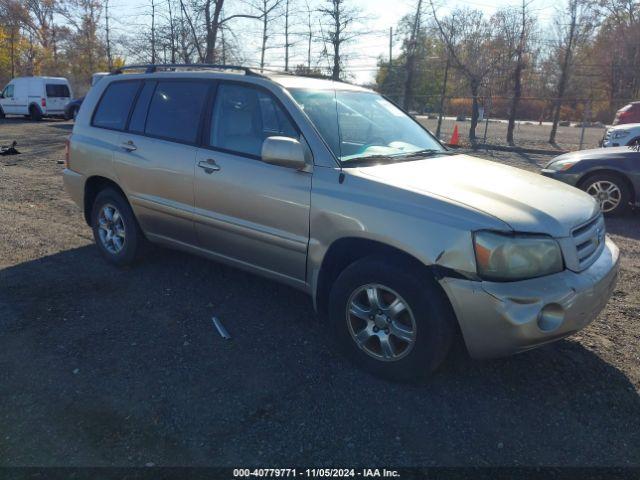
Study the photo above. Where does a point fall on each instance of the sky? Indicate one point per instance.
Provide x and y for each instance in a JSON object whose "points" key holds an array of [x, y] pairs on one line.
{"points": [[361, 55]]}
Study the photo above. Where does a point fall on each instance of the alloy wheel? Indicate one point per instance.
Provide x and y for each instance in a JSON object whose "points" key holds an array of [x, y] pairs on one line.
{"points": [[381, 322], [607, 193], [111, 229]]}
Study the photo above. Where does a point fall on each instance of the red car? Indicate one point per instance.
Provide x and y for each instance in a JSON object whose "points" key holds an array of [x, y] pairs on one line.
{"points": [[628, 114]]}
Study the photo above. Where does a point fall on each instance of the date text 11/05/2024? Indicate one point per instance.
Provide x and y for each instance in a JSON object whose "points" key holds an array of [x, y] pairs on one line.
{"points": [[315, 472]]}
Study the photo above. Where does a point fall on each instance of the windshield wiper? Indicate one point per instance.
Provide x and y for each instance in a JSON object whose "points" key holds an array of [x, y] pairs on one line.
{"points": [[394, 158], [352, 162], [427, 152]]}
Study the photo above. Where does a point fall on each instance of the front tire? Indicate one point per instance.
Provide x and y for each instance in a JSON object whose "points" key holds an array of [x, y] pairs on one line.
{"points": [[610, 191], [115, 228], [391, 318]]}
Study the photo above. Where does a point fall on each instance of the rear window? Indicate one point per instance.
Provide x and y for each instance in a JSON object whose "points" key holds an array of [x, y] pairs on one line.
{"points": [[57, 90], [175, 109], [114, 106]]}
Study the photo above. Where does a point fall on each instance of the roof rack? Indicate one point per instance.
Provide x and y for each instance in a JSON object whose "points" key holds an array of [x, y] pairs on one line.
{"points": [[152, 68]]}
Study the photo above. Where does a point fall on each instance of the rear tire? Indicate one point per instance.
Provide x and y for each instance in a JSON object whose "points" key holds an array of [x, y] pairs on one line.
{"points": [[420, 335], [34, 113], [115, 228], [610, 190]]}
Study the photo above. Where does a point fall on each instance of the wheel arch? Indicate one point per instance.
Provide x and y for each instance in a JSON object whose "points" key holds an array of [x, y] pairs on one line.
{"points": [[92, 187], [35, 104], [609, 171], [347, 250]]}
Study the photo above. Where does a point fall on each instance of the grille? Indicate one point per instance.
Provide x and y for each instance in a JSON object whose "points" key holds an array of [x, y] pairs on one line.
{"points": [[589, 241]]}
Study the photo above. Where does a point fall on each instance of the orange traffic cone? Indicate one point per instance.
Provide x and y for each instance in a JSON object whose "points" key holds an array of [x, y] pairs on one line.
{"points": [[455, 137]]}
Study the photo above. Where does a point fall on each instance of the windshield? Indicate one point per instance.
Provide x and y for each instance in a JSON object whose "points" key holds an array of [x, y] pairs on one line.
{"points": [[358, 125]]}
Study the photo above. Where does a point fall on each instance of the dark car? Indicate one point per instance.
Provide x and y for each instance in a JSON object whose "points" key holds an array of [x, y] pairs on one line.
{"points": [[71, 110], [610, 175], [628, 114]]}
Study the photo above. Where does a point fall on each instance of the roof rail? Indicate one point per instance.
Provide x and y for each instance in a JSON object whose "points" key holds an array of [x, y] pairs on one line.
{"points": [[152, 68]]}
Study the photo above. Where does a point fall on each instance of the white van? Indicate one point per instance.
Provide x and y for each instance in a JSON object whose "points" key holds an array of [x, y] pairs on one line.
{"points": [[35, 97]]}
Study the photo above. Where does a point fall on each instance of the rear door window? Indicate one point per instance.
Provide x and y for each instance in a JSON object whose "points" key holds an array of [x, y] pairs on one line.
{"points": [[114, 106], [139, 115], [175, 110], [57, 91]]}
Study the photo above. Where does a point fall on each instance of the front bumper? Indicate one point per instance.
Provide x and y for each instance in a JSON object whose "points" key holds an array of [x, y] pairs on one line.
{"points": [[570, 178], [499, 319]]}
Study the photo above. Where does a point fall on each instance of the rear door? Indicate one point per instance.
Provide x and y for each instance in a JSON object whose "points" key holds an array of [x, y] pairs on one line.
{"points": [[156, 157], [57, 97], [249, 211]]}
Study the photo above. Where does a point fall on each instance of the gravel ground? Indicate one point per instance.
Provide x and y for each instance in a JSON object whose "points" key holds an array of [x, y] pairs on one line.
{"points": [[105, 366]]}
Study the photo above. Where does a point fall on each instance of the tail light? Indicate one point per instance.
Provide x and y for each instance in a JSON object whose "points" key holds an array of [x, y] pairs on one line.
{"points": [[67, 148], [43, 102]]}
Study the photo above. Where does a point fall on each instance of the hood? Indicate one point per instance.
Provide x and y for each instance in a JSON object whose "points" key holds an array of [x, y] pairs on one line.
{"points": [[624, 126], [527, 202], [598, 154]]}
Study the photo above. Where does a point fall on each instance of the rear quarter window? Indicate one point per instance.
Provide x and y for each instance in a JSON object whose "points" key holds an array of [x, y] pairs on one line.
{"points": [[113, 110], [57, 91]]}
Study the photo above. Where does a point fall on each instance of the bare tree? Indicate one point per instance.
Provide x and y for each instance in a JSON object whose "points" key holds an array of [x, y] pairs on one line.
{"points": [[215, 21], [310, 32], [467, 36], [513, 27], [341, 20], [268, 11], [574, 24]]}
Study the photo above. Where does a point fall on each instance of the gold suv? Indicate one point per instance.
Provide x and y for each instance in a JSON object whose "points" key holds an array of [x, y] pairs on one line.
{"points": [[332, 189]]}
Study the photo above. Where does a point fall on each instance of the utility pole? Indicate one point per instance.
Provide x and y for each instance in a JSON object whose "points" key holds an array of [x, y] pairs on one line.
{"points": [[309, 39], [173, 34], [106, 16], [286, 36], [390, 48], [153, 32], [224, 46], [411, 58]]}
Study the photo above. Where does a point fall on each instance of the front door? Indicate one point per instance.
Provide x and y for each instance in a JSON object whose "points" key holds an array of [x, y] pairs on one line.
{"points": [[8, 100], [248, 211]]}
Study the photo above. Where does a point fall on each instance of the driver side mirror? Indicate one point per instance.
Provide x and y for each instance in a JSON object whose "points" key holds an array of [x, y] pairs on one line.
{"points": [[284, 152]]}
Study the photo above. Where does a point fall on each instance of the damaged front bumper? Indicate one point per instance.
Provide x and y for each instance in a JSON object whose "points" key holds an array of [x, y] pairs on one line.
{"points": [[499, 319]]}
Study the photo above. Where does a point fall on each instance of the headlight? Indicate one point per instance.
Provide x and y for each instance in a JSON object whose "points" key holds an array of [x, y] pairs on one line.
{"points": [[619, 133], [504, 257], [562, 165]]}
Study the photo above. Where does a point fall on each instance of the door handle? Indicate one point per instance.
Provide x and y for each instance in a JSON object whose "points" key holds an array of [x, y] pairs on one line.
{"points": [[209, 165], [129, 146]]}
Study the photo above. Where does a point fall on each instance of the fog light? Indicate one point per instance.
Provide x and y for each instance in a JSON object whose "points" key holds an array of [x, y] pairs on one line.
{"points": [[550, 317]]}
